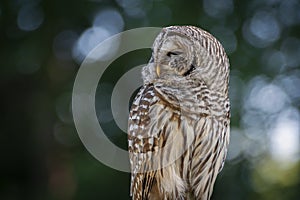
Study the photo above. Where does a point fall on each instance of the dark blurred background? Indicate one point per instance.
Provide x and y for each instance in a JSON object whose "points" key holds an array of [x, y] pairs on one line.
{"points": [[43, 43]]}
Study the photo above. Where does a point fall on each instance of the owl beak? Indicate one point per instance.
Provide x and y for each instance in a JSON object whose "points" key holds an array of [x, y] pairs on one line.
{"points": [[157, 68]]}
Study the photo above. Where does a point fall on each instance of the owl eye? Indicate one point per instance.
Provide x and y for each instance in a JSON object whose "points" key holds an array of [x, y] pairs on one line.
{"points": [[172, 53]]}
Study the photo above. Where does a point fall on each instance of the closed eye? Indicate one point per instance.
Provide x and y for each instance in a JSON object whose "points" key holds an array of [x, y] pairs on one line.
{"points": [[172, 53]]}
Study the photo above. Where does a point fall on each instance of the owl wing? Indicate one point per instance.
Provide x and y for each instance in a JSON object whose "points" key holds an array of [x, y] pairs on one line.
{"points": [[149, 123], [138, 120]]}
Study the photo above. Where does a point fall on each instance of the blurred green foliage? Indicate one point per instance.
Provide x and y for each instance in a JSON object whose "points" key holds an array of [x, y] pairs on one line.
{"points": [[43, 43]]}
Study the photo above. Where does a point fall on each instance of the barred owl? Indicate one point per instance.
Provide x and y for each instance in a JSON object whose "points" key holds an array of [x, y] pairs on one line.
{"points": [[178, 129]]}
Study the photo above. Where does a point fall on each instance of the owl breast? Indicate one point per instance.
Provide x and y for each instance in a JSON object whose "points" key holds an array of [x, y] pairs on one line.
{"points": [[178, 133]]}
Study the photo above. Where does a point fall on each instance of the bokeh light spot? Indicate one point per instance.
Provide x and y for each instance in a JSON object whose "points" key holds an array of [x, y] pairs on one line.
{"points": [[285, 136], [30, 17], [109, 19], [262, 30], [218, 8]]}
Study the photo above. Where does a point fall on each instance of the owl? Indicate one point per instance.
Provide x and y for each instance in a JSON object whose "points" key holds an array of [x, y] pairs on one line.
{"points": [[178, 129]]}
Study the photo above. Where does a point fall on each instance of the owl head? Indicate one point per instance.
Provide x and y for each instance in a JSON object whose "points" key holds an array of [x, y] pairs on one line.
{"points": [[185, 52]]}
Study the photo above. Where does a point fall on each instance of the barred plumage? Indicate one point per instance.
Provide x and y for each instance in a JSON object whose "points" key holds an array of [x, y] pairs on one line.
{"points": [[178, 129]]}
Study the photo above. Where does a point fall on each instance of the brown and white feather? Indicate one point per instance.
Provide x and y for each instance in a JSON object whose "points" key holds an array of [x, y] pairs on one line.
{"points": [[178, 129]]}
